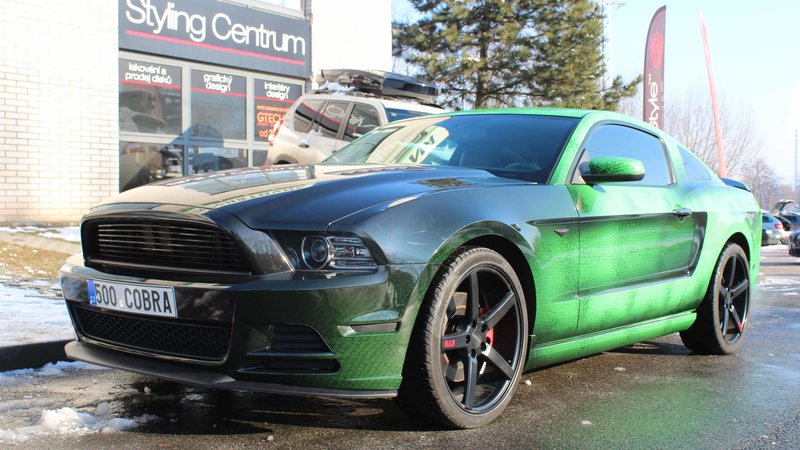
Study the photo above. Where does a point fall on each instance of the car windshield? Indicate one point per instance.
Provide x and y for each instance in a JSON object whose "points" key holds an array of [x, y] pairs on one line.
{"points": [[520, 146]]}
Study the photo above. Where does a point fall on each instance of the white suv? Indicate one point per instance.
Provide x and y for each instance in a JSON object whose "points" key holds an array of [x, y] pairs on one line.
{"points": [[317, 124]]}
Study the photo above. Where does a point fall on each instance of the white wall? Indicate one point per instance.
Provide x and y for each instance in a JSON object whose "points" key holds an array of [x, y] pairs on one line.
{"points": [[58, 109], [351, 34]]}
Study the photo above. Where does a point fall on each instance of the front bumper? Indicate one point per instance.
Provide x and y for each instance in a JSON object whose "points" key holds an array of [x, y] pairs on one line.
{"points": [[194, 376], [363, 321]]}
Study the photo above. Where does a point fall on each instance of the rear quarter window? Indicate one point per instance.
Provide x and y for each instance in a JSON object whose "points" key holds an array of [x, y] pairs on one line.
{"points": [[695, 169]]}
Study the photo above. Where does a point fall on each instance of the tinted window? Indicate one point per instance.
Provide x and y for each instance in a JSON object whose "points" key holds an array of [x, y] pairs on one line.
{"points": [[363, 119], [332, 117], [514, 146], [305, 113], [695, 169], [621, 141]]}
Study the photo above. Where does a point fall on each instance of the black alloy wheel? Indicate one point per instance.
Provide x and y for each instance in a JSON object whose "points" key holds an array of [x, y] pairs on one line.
{"points": [[478, 348], [722, 315], [468, 351], [734, 298]]}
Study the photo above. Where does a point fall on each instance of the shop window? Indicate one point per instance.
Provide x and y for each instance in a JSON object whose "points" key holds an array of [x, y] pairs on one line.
{"points": [[212, 159], [141, 163], [272, 100], [149, 97], [218, 103]]}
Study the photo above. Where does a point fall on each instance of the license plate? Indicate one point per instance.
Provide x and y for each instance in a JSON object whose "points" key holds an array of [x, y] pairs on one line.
{"points": [[133, 298]]}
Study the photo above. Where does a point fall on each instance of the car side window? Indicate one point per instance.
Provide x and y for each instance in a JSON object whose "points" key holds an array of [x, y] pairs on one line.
{"points": [[305, 114], [695, 169], [363, 119], [622, 141], [331, 119]]}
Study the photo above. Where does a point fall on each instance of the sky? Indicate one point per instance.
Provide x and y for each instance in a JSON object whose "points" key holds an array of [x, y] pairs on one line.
{"points": [[755, 53]]}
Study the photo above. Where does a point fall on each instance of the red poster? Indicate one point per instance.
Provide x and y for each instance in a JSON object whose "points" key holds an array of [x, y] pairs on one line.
{"points": [[653, 112]]}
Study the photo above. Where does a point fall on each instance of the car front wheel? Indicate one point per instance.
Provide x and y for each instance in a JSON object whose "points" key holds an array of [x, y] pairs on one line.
{"points": [[469, 344]]}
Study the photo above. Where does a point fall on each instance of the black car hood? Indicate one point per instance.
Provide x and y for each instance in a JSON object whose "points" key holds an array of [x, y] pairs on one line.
{"points": [[305, 197]]}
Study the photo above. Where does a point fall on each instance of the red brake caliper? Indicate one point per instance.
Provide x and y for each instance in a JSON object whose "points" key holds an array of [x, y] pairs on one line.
{"points": [[490, 333]]}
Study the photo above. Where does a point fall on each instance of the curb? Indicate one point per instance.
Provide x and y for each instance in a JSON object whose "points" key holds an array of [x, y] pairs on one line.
{"points": [[32, 355]]}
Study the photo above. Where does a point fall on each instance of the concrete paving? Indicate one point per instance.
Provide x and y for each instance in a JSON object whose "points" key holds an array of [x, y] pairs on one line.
{"points": [[654, 394]]}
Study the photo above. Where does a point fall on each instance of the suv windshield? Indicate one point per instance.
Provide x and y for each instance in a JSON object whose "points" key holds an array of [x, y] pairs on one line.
{"points": [[514, 146]]}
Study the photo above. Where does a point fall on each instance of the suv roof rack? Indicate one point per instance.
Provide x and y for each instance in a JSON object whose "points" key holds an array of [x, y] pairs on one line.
{"points": [[380, 83]]}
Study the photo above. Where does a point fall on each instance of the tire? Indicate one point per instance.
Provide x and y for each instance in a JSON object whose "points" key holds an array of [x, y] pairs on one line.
{"points": [[469, 344], [722, 316]]}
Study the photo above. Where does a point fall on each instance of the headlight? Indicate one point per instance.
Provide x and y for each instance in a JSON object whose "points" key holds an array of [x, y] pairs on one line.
{"points": [[326, 252]]}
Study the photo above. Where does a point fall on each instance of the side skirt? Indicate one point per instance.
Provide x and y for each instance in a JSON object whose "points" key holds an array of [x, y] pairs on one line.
{"points": [[578, 347]]}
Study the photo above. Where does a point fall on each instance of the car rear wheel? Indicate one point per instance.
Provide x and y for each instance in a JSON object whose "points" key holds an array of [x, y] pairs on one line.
{"points": [[722, 316], [469, 344]]}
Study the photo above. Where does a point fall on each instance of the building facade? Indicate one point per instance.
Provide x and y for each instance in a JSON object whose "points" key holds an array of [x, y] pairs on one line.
{"points": [[106, 96]]}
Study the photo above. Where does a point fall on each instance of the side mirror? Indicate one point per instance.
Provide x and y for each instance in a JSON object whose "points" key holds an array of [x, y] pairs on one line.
{"points": [[614, 169]]}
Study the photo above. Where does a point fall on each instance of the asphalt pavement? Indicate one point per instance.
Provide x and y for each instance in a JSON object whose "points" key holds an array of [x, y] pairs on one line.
{"points": [[651, 395]]}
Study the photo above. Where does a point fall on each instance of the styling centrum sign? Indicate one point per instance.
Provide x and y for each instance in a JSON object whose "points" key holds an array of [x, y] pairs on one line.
{"points": [[217, 32]]}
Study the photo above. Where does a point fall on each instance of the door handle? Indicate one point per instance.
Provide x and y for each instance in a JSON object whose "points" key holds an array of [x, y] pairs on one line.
{"points": [[682, 213]]}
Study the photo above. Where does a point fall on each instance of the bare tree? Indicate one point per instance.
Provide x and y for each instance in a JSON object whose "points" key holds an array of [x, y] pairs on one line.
{"points": [[688, 118], [765, 184]]}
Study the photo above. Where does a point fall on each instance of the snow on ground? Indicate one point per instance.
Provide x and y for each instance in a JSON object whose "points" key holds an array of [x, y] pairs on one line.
{"points": [[71, 234], [49, 418], [786, 286], [27, 316]]}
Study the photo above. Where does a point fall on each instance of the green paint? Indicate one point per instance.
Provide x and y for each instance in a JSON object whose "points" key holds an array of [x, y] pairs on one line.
{"points": [[610, 263]]}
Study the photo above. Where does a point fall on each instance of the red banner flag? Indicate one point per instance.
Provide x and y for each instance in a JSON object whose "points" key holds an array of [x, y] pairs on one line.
{"points": [[653, 112]]}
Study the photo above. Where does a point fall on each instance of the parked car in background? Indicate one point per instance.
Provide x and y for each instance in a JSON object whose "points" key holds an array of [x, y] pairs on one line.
{"points": [[351, 104], [433, 260], [773, 230], [794, 244], [788, 212]]}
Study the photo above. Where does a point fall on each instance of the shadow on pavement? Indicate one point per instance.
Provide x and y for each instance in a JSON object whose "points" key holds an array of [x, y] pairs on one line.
{"points": [[187, 410]]}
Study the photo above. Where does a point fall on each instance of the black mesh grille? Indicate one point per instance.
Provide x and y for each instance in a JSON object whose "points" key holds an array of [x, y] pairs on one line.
{"points": [[296, 339], [165, 245], [202, 342]]}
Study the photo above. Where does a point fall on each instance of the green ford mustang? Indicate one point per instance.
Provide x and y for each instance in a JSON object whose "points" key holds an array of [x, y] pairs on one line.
{"points": [[432, 260]]}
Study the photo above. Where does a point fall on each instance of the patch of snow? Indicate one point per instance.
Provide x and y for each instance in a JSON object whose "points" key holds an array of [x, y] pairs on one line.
{"points": [[25, 229], [14, 377], [12, 437], [26, 317], [194, 397], [71, 234], [776, 283], [70, 421]]}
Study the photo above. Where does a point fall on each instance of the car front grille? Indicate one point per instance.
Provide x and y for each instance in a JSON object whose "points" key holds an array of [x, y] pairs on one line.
{"points": [[137, 246], [207, 343]]}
